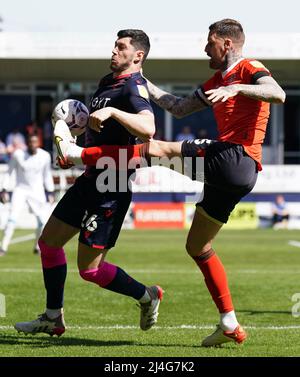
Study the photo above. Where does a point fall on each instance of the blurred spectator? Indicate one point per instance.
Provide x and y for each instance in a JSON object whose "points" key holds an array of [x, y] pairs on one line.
{"points": [[280, 213], [202, 134], [15, 140], [33, 129], [185, 134], [3, 152]]}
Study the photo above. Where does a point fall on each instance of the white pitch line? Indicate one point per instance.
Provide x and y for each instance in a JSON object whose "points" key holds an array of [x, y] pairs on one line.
{"points": [[294, 243], [28, 237], [181, 327], [167, 272]]}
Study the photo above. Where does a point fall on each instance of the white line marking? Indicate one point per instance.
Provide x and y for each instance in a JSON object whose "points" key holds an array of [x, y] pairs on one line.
{"points": [[294, 243], [28, 237], [166, 272], [72, 270], [181, 327]]}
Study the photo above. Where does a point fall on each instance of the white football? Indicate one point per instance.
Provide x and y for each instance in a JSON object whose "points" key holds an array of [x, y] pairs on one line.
{"points": [[74, 113]]}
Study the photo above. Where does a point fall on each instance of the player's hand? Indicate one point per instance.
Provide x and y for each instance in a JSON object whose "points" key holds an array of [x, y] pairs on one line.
{"points": [[98, 117], [63, 164], [222, 93], [4, 197]]}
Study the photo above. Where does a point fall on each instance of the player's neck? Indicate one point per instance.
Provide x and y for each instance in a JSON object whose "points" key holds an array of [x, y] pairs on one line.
{"points": [[231, 58], [128, 71]]}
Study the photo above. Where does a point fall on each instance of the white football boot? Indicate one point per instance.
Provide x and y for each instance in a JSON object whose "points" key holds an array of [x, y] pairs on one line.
{"points": [[219, 336], [43, 324], [149, 310], [68, 152]]}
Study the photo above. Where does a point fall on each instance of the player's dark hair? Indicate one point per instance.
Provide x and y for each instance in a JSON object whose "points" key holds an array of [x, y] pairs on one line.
{"points": [[228, 28], [139, 39]]}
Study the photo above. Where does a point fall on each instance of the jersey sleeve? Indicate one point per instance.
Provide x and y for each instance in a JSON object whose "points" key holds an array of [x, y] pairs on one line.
{"points": [[138, 96], [254, 69], [200, 92]]}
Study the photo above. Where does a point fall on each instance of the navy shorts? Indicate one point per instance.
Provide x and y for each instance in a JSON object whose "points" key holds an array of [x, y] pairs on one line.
{"points": [[229, 174], [99, 216]]}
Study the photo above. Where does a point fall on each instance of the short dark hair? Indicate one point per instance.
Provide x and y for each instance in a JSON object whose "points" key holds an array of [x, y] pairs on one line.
{"points": [[228, 28], [139, 39]]}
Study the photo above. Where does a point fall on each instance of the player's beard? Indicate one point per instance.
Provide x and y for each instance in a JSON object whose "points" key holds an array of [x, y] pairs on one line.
{"points": [[120, 67], [214, 64]]}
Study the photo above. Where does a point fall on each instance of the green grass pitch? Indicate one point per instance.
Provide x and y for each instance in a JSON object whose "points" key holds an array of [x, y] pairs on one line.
{"points": [[263, 271]]}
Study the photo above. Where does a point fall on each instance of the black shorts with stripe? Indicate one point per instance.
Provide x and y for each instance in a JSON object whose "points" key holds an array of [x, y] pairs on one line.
{"points": [[229, 174], [99, 216]]}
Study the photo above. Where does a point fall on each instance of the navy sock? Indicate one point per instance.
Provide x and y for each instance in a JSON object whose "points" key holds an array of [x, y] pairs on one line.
{"points": [[126, 285], [54, 279]]}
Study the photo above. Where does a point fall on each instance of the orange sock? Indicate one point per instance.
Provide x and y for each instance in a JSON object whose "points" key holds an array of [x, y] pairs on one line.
{"points": [[91, 155], [216, 280]]}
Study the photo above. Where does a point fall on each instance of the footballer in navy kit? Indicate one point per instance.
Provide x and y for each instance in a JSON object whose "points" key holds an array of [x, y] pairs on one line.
{"points": [[120, 112]]}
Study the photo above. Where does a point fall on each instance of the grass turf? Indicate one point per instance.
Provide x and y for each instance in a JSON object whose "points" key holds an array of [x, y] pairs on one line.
{"points": [[263, 272]]}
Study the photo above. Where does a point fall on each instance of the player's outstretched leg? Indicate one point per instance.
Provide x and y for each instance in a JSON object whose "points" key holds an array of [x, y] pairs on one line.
{"points": [[140, 154]]}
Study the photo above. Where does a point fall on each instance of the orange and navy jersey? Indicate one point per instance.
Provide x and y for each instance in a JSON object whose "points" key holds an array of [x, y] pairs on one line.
{"points": [[240, 119]]}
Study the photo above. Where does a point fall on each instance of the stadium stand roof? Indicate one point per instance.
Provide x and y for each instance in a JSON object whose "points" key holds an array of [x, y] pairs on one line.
{"points": [[174, 57], [50, 45]]}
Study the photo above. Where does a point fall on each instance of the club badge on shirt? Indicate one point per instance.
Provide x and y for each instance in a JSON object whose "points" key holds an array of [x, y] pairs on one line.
{"points": [[143, 91], [258, 64]]}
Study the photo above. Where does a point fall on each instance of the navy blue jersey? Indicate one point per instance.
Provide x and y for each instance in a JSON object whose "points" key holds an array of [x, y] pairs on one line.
{"points": [[128, 93]]}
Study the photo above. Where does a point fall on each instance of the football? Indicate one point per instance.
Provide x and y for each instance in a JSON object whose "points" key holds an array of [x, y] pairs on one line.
{"points": [[74, 113]]}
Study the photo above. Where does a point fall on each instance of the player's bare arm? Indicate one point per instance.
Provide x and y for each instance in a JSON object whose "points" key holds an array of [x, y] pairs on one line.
{"points": [[265, 89], [141, 125], [177, 106]]}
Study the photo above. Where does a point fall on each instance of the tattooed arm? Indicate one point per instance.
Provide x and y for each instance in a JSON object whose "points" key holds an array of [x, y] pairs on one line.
{"points": [[265, 89], [177, 106]]}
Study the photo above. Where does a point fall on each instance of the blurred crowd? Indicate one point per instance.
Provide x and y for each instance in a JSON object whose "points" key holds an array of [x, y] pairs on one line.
{"points": [[16, 139]]}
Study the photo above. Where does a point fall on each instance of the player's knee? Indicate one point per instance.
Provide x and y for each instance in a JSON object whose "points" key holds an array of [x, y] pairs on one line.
{"points": [[101, 276], [195, 249], [51, 256], [50, 242], [191, 249], [87, 275]]}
